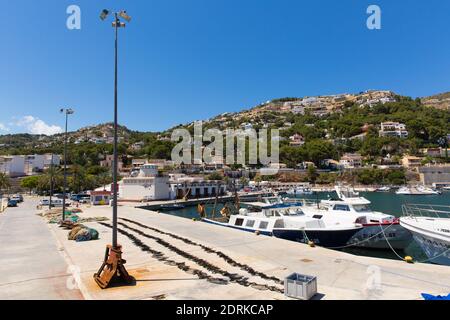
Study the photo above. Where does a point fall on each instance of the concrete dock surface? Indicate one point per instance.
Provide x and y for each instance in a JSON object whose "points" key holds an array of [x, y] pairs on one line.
{"points": [[213, 250], [31, 267]]}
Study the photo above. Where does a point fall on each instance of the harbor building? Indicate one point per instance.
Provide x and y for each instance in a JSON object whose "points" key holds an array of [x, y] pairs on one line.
{"points": [[182, 186], [145, 184]]}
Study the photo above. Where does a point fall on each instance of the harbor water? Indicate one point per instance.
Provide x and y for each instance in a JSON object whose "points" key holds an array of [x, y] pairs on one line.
{"points": [[386, 202]]}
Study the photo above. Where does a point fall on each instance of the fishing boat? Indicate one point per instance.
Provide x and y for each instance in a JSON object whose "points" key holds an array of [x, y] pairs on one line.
{"points": [[417, 191], [288, 223], [380, 230], [430, 226], [299, 191]]}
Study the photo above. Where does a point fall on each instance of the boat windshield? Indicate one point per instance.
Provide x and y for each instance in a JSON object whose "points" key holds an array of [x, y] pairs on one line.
{"points": [[361, 208], [291, 212]]}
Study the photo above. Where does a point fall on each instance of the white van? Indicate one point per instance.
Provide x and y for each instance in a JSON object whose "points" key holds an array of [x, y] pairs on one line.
{"points": [[55, 202]]}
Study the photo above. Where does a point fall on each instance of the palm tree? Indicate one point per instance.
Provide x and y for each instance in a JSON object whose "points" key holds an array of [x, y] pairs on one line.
{"points": [[5, 183], [52, 178]]}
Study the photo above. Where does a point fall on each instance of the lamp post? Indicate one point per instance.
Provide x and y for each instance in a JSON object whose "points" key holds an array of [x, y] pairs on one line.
{"points": [[51, 184], [67, 112], [113, 264]]}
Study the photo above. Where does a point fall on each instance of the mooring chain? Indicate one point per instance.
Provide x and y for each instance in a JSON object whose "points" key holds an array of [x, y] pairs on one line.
{"points": [[182, 266], [161, 257], [226, 258]]}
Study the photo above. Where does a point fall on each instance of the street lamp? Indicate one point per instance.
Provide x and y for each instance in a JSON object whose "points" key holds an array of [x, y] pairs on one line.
{"points": [[113, 264], [67, 111]]}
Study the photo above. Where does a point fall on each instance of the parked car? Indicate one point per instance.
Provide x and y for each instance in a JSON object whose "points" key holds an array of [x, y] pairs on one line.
{"points": [[61, 195], [17, 197], [12, 203], [81, 198]]}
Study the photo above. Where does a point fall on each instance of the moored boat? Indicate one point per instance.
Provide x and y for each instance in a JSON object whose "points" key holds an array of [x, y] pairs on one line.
{"points": [[380, 230], [383, 189], [430, 226], [417, 191], [288, 223], [297, 191]]}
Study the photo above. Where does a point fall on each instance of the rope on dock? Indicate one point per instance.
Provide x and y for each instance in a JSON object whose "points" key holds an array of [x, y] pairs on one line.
{"points": [[422, 261], [161, 257], [227, 259], [201, 262], [365, 240]]}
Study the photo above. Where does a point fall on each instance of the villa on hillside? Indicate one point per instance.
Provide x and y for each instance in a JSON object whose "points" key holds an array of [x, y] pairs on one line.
{"points": [[296, 140], [393, 129], [411, 162], [351, 160]]}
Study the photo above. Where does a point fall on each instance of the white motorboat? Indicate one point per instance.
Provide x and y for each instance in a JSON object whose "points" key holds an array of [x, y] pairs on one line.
{"points": [[383, 189], [289, 223], [430, 226], [378, 228], [297, 191], [417, 191]]}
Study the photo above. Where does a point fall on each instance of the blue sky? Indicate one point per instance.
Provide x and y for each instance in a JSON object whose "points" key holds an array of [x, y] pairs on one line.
{"points": [[187, 60]]}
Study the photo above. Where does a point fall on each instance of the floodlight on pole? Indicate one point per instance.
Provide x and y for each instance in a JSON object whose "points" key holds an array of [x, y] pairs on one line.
{"points": [[67, 111], [104, 14], [113, 264]]}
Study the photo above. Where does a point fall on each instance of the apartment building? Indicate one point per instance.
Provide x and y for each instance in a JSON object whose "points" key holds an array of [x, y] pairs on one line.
{"points": [[393, 129]]}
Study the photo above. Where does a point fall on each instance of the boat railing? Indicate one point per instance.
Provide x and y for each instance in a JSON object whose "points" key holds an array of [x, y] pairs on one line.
{"points": [[426, 210]]}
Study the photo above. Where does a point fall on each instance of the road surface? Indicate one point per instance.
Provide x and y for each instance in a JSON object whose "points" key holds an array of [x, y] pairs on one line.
{"points": [[31, 267]]}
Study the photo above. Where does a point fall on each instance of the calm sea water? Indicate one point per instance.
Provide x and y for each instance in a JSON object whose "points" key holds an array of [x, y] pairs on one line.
{"points": [[389, 203]]}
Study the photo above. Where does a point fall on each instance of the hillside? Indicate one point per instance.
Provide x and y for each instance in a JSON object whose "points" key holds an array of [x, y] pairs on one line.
{"points": [[325, 127], [439, 101]]}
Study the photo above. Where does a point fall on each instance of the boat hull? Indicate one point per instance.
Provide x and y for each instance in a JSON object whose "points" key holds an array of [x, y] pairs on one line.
{"points": [[398, 237], [437, 251], [328, 239]]}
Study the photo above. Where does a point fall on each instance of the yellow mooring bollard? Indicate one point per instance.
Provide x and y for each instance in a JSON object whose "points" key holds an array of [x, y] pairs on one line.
{"points": [[409, 259], [311, 244]]}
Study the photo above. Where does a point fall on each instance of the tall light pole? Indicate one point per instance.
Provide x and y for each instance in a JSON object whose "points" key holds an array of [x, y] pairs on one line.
{"points": [[51, 184], [113, 264], [67, 112]]}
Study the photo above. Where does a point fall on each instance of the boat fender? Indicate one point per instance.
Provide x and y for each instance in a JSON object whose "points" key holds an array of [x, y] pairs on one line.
{"points": [[409, 259], [311, 244], [257, 232]]}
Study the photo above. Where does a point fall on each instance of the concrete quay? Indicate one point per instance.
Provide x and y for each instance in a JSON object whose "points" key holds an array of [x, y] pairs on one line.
{"points": [[340, 275], [38, 262]]}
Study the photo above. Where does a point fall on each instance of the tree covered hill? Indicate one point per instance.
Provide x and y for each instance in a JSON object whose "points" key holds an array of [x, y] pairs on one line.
{"points": [[351, 125]]}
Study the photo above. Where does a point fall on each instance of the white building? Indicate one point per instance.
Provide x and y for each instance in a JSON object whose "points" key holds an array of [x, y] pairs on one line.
{"points": [[296, 140], [49, 158], [34, 163], [393, 129], [194, 187], [13, 166], [351, 160], [146, 185]]}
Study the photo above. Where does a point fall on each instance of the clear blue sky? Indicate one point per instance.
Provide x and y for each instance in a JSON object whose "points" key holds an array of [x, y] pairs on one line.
{"points": [[183, 60]]}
